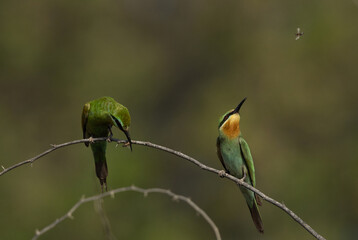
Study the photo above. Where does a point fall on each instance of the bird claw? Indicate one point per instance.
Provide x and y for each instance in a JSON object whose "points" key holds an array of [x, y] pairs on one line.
{"points": [[243, 177], [110, 134], [222, 173], [126, 144], [90, 139]]}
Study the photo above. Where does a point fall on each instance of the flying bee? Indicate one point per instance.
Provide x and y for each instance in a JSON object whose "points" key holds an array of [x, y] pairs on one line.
{"points": [[299, 33]]}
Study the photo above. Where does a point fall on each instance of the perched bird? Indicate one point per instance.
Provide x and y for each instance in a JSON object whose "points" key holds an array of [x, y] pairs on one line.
{"points": [[98, 117], [235, 156]]}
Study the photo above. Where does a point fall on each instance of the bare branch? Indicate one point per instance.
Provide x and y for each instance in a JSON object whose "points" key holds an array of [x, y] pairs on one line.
{"points": [[31, 160], [190, 159], [111, 193]]}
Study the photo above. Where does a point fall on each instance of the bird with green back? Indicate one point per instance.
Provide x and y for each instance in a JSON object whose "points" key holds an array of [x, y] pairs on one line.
{"points": [[98, 117], [235, 156]]}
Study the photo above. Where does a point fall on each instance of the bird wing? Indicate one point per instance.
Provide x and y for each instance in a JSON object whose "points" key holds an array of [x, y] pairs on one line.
{"points": [[85, 112], [248, 159], [250, 164], [219, 153]]}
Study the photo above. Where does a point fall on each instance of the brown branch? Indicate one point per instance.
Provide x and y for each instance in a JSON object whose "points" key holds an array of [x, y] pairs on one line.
{"points": [[31, 160], [111, 193], [190, 159]]}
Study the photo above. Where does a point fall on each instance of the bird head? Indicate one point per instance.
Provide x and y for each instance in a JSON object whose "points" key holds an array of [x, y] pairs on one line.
{"points": [[229, 123], [122, 120]]}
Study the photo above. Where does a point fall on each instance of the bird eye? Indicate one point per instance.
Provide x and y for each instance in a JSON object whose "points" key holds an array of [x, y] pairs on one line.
{"points": [[117, 122], [225, 118]]}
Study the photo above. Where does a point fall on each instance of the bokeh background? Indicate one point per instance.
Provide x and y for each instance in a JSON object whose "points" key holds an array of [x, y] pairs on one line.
{"points": [[178, 66]]}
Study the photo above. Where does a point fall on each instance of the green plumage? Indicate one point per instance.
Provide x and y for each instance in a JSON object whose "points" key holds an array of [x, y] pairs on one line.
{"points": [[98, 117], [235, 156]]}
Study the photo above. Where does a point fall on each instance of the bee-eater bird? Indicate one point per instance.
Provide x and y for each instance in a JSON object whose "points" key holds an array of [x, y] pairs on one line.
{"points": [[98, 117], [235, 156]]}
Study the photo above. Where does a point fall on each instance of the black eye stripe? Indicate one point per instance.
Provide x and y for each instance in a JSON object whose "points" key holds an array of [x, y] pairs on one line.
{"points": [[225, 118], [118, 123]]}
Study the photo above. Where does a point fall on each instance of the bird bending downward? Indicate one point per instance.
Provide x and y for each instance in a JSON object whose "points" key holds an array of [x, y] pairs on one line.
{"points": [[98, 117]]}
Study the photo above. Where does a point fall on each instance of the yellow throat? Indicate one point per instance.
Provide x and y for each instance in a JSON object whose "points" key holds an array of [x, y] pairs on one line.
{"points": [[231, 127]]}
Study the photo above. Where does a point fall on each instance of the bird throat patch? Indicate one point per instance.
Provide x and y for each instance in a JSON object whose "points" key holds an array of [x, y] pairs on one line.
{"points": [[231, 127]]}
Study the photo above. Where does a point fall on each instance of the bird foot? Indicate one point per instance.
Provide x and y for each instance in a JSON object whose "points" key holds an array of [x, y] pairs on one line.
{"points": [[90, 139], [110, 134], [243, 177], [222, 173], [126, 144]]}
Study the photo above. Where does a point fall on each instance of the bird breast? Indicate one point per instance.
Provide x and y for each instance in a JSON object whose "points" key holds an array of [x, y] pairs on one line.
{"points": [[231, 127]]}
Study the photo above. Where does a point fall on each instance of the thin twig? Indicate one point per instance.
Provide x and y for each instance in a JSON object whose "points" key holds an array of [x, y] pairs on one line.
{"points": [[31, 160], [190, 159], [111, 193]]}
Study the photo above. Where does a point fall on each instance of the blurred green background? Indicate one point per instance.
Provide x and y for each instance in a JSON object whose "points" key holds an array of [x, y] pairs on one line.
{"points": [[178, 66]]}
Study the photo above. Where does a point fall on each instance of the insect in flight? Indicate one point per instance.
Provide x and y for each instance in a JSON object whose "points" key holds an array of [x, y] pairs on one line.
{"points": [[299, 33]]}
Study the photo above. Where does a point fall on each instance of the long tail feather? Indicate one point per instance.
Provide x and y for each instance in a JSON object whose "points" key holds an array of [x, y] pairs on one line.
{"points": [[99, 154], [255, 214], [102, 173], [258, 200]]}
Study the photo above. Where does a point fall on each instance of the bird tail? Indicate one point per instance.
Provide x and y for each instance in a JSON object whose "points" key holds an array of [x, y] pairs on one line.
{"points": [[256, 217], [99, 153], [102, 172]]}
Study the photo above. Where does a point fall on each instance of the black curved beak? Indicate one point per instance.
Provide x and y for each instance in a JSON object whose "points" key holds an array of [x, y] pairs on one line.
{"points": [[128, 138], [125, 132], [237, 109]]}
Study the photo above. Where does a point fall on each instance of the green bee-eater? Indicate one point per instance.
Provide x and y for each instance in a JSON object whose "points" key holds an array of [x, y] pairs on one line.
{"points": [[235, 156], [98, 117]]}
